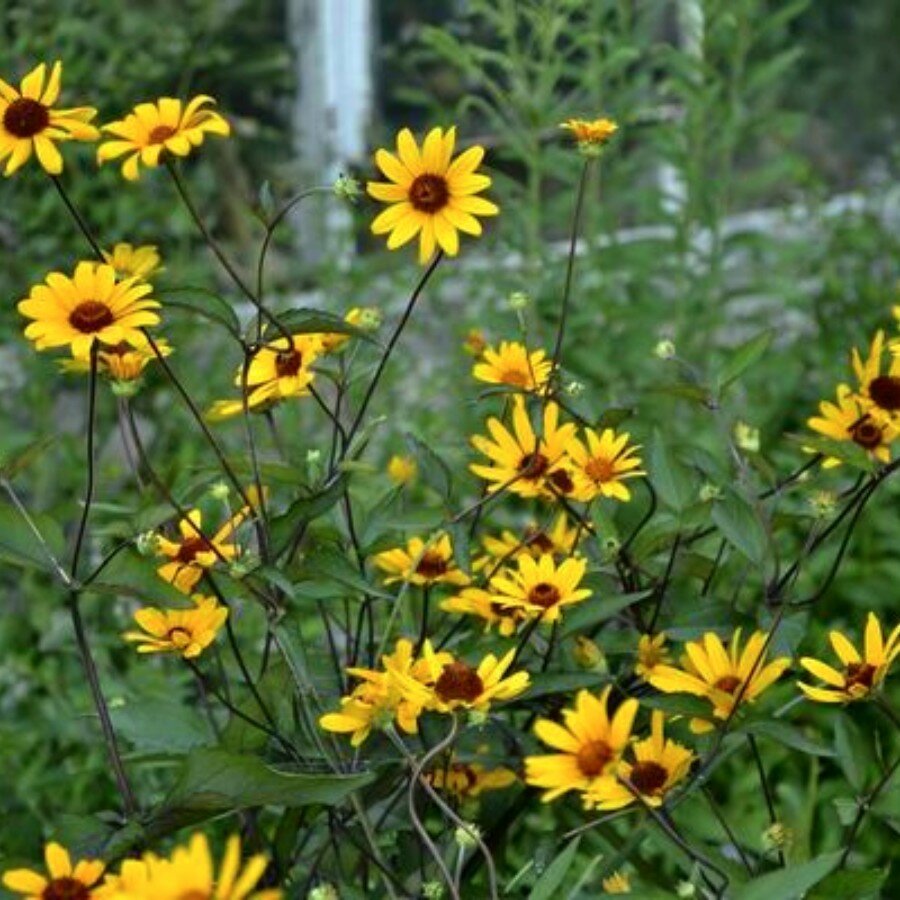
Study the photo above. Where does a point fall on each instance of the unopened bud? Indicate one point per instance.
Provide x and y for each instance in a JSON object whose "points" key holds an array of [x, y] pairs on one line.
{"points": [[588, 655], [822, 504], [575, 388], [467, 835], [611, 547], [777, 838], [686, 889], [220, 490], [709, 492], [746, 437], [433, 890], [347, 188], [368, 318], [665, 349], [147, 544], [518, 300], [323, 892]]}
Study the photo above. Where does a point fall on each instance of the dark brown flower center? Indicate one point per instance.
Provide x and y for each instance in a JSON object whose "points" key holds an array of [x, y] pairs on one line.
{"points": [[194, 895], [65, 889], [862, 674], [866, 433], [178, 635], [160, 134], [288, 363], [600, 470], [534, 537], [459, 682], [25, 118], [91, 316], [515, 377], [648, 777], [885, 392], [594, 757], [432, 565], [188, 551], [429, 193], [728, 683], [533, 465], [544, 594], [562, 481]]}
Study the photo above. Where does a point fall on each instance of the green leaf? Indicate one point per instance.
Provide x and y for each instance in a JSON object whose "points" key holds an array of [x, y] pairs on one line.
{"points": [[546, 683], [790, 883], [19, 545], [554, 875], [317, 321], [789, 736], [673, 481], [16, 458], [598, 609], [204, 303], [851, 754], [305, 509], [861, 884], [845, 451], [434, 471], [741, 527], [746, 355], [139, 723]]}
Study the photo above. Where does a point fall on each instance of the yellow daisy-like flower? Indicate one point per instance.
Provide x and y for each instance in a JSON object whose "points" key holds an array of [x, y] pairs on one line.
{"points": [[29, 123], [430, 194], [863, 673], [167, 126], [850, 419], [456, 685], [187, 632], [881, 389], [560, 540], [62, 879], [616, 883], [193, 553], [589, 745], [228, 409], [659, 764], [91, 304], [539, 588], [724, 677], [514, 365], [130, 261], [603, 465], [402, 469], [421, 563], [522, 462], [591, 132], [189, 872], [469, 780], [281, 370], [122, 363], [472, 601], [651, 652]]}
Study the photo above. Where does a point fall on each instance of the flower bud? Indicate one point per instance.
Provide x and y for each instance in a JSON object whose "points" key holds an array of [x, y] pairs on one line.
{"points": [[402, 469], [323, 892], [518, 300], [432, 890], [777, 838], [746, 437], [709, 492], [665, 349], [822, 504], [147, 544], [686, 889], [220, 490], [575, 388], [368, 318], [467, 835], [588, 655], [347, 188]]}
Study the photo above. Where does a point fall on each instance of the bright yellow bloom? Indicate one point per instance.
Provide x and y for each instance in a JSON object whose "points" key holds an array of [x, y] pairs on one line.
{"points": [[189, 874], [724, 677], [63, 880], [590, 744], [165, 127], [193, 552], [862, 674], [617, 883], [538, 588], [602, 466], [430, 194], [560, 540], [402, 469], [456, 685], [122, 363], [850, 419], [522, 462], [421, 563], [280, 370], [880, 389], [130, 261], [514, 365], [659, 764], [91, 304], [187, 632], [651, 652], [469, 780], [28, 121], [591, 132], [473, 601]]}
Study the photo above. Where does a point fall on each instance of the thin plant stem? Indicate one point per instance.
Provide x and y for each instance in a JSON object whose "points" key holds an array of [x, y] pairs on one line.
{"points": [[79, 219]]}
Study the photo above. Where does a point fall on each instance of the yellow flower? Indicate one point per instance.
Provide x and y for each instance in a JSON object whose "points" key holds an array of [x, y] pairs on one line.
{"points": [[659, 764], [591, 133], [63, 880], [167, 126], [862, 674], [28, 121], [280, 370], [539, 588], [187, 632], [130, 261], [651, 652], [430, 194], [472, 601], [228, 409], [421, 563], [193, 553], [189, 872], [851, 420], [512, 364], [589, 744], [617, 883], [90, 305], [603, 465], [560, 540], [881, 390], [456, 685], [402, 469], [469, 780], [724, 677], [122, 363], [522, 462]]}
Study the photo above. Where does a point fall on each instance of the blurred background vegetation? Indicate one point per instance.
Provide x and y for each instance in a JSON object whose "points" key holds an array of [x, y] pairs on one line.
{"points": [[753, 184]]}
